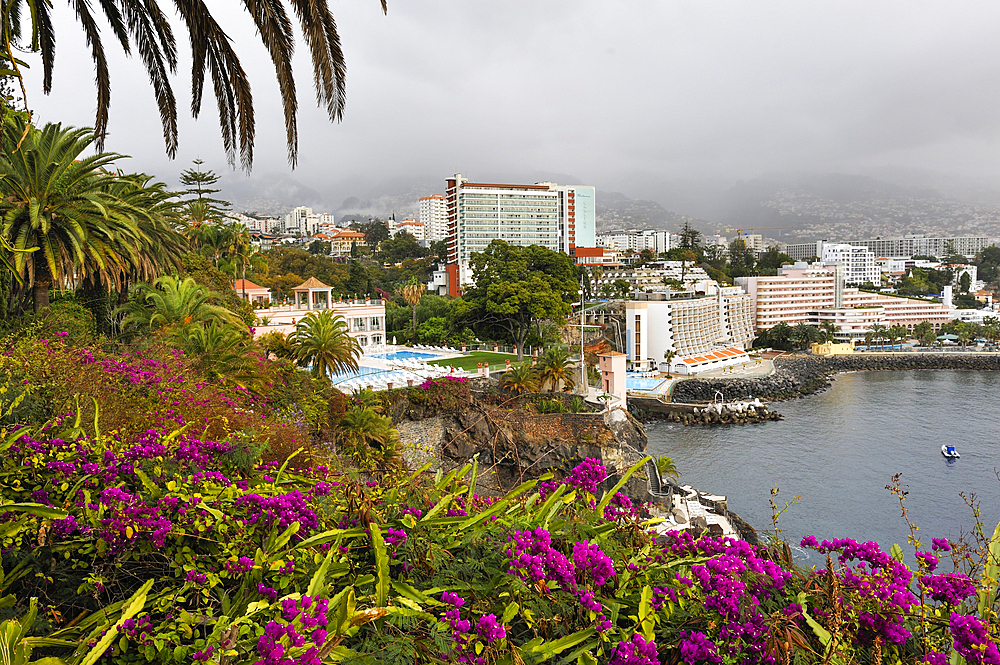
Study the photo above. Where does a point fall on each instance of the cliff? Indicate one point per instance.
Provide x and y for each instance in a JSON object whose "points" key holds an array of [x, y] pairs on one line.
{"points": [[514, 442]]}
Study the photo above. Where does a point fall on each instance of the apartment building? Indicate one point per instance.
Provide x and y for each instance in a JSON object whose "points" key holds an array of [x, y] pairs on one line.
{"points": [[812, 294], [652, 277], [805, 251], [859, 263], [302, 221], [688, 324], [434, 216], [558, 217], [416, 229], [655, 240], [754, 241], [907, 246], [261, 223]]}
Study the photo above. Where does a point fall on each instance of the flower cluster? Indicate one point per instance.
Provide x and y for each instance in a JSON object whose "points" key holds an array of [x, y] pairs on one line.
{"points": [[298, 640], [949, 588], [587, 475], [637, 651], [592, 563], [620, 507], [531, 557], [284, 509], [972, 640]]}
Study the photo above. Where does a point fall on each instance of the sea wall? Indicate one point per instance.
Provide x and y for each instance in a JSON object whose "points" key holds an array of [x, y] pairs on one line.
{"points": [[805, 374]]}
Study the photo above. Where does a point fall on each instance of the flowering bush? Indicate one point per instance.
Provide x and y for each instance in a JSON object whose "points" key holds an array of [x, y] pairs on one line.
{"points": [[150, 542]]}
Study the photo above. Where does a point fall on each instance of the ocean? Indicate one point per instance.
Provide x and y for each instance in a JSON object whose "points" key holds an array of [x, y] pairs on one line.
{"points": [[835, 452]]}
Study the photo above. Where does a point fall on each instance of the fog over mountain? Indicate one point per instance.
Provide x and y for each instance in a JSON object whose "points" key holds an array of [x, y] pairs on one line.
{"points": [[691, 105]]}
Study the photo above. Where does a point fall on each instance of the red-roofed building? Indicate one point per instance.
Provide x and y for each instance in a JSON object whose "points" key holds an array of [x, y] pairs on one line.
{"points": [[255, 293], [342, 243]]}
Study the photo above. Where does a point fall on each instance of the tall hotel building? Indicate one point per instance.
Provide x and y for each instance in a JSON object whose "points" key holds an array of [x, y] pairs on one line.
{"points": [[814, 294], [559, 217], [434, 217]]}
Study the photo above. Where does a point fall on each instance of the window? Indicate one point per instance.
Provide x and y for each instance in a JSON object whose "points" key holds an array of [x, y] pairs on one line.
{"points": [[638, 324], [376, 323]]}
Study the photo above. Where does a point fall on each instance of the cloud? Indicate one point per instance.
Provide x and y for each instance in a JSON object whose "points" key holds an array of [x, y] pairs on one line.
{"points": [[613, 93]]}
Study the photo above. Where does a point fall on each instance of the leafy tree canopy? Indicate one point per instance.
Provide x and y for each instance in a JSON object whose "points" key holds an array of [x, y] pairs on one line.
{"points": [[516, 287], [403, 246]]}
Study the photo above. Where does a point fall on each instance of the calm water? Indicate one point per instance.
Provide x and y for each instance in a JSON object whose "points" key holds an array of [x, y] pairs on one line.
{"points": [[839, 450]]}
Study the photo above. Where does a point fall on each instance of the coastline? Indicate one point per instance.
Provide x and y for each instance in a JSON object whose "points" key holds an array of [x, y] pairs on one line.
{"points": [[805, 374]]}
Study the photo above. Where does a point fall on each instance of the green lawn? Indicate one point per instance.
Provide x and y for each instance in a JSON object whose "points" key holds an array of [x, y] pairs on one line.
{"points": [[469, 362]]}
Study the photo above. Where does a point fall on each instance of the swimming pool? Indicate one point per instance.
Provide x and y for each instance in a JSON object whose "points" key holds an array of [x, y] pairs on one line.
{"points": [[405, 355], [644, 385]]}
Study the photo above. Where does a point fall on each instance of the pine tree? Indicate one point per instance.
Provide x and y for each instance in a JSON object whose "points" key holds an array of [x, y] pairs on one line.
{"points": [[200, 206]]}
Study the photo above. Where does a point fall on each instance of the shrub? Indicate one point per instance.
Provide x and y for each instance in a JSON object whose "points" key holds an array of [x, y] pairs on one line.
{"points": [[180, 558]]}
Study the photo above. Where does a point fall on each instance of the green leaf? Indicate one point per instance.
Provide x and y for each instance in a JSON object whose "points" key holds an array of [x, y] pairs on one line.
{"points": [[646, 613], [407, 591], [381, 566], [548, 504], [896, 552], [991, 574], [528, 484], [343, 604], [509, 612], [318, 580], [284, 466], [621, 483], [328, 536], [341, 653], [548, 649], [407, 612], [36, 509], [438, 507], [147, 483], [282, 540], [476, 519], [133, 606]]}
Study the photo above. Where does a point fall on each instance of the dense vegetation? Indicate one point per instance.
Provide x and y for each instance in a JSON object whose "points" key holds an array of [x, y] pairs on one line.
{"points": [[150, 516], [174, 491]]}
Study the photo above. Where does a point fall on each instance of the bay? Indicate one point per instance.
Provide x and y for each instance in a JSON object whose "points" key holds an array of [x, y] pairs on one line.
{"points": [[838, 450]]}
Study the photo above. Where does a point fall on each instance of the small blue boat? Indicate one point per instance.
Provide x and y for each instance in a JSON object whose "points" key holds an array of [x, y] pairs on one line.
{"points": [[949, 452]]}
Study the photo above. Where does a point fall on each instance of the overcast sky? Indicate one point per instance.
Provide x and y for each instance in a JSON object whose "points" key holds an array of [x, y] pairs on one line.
{"points": [[612, 93]]}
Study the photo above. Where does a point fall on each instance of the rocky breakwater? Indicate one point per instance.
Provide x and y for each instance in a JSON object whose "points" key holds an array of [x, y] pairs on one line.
{"points": [[804, 374], [513, 442], [735, 413]]}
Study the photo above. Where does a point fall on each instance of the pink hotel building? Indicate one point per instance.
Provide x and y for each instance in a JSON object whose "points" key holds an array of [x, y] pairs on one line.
{"points": [[816, 294]]}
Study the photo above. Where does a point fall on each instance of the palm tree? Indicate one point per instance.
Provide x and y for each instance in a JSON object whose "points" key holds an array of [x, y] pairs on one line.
{"points": [[219, 349], [369, 438], [964, 335], [65, 204], [322, 339], [155, 213], [171, 301], [828, 330], [144, 25], [553, 368], [520, 379], [878, 333], [669, 356], [412, 293], [665, 465]]}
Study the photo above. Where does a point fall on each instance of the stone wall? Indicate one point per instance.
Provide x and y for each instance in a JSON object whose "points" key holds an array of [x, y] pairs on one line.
{"points": [[805, 374]]}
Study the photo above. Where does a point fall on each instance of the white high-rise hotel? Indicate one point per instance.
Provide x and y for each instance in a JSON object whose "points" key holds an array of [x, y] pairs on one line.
{"points": [[559, 217], [859, 263], [434, 216]]}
